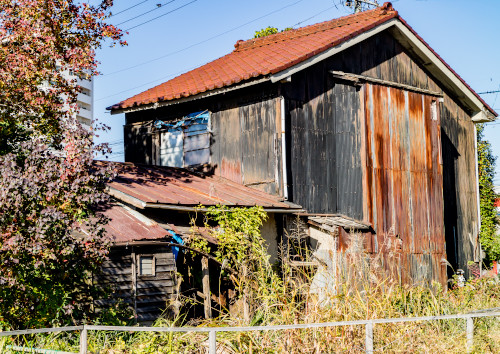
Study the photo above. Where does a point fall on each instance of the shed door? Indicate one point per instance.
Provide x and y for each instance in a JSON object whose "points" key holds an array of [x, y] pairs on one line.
{"points": [[404, 178]]}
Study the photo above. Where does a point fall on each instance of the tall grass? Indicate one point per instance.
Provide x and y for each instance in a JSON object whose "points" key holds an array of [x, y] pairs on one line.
{"points": [[366, 292]]}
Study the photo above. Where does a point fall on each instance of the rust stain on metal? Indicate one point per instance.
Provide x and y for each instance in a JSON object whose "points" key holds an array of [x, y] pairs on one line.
{"points": [[231, 170], [124, 226], [404, 178]]}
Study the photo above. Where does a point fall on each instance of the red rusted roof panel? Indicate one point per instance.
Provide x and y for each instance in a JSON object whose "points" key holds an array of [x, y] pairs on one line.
{"points": [[125, 225], [271, 54], [177, 186]]}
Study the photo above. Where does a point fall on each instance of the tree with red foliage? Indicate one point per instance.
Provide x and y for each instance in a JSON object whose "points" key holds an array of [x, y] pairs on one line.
{"points": [[51, 237]]}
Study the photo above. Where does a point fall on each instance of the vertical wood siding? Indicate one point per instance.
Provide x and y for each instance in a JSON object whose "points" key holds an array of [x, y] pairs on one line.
{"points": [[325, 140], [340, 161], [149, 296], [244, 144]]}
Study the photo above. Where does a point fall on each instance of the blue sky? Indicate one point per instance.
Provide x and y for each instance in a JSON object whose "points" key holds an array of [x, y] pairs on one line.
{"points": [[189, 33]]}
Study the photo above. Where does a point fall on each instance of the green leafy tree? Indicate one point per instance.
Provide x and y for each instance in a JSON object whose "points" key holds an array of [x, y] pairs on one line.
{"points": [[51, 235], [490, 240], [268, 31]]}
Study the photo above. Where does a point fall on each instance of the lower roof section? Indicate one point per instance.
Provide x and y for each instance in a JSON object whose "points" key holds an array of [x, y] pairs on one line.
{"points": [[145, 186], [127, 225]]}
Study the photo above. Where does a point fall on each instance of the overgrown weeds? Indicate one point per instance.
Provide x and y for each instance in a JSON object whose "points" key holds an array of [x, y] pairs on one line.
{"points": [[363, 289]]}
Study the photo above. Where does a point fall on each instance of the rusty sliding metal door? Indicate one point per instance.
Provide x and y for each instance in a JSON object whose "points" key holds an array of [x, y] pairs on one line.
{"points": [[404, 180]]}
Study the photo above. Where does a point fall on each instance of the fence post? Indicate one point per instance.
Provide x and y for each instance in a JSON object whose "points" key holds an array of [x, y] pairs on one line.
{"points": [[470, 334], [212, 342], [369, 338], [83, 340]]}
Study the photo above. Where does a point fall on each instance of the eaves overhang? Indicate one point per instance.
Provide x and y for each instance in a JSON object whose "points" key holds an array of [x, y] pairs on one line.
{"points": [[199, 96], [137, 203], [479, 110]]}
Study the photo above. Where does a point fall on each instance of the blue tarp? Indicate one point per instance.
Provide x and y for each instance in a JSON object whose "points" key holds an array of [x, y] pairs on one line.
{"points": [[177, 238], [201, 117]]}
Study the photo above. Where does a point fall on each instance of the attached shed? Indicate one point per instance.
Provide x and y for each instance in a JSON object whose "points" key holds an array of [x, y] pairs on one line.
{"points": [[140, 269], [355, 116]]}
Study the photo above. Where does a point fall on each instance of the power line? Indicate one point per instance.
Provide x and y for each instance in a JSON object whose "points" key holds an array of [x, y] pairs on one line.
{"points": [[203, 41], [487, 92], [128, 8], [313, 16], [157, 17], [145, 13], [147, 83]]}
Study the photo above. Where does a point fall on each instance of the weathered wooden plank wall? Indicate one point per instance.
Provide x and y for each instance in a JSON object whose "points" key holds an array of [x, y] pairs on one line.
{"points": [[460, 189], [148, 295], [324, 147], [309, 95], [244, 144]]}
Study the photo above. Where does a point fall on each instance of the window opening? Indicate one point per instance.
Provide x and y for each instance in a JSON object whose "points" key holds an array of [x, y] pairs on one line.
{"points": [[147, 265], [185, 142], [434, 115]]}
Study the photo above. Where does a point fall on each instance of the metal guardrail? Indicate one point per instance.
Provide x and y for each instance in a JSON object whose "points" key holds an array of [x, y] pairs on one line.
{"points": [[212, 331]]}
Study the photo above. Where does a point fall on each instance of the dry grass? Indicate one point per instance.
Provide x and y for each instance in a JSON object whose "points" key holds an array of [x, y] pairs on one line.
{"points": [[368, 294]]}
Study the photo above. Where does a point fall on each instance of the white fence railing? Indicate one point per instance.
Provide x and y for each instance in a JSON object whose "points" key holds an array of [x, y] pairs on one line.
{"points": [[212, 331]]}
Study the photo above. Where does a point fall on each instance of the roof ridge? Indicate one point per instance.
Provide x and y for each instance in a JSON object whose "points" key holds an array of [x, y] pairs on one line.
{"points": [[242, 45]]}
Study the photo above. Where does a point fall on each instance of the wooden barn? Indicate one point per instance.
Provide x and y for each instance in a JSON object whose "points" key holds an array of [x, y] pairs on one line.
{"points": [[357, 120]]}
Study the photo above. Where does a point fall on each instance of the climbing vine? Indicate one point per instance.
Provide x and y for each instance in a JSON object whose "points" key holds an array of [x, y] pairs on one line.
{"points": [[240, 247]]}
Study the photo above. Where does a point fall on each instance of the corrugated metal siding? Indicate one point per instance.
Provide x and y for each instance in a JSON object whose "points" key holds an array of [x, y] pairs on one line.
{"points": [[325, 143], [404, 177], [244, 144]]}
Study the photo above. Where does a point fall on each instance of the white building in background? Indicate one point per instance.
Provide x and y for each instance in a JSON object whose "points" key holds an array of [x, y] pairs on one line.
{"points": [[85, 101]]}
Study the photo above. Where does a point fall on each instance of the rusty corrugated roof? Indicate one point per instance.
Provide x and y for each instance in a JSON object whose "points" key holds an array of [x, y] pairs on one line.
{"points": [[169, 187], [127, 225]]}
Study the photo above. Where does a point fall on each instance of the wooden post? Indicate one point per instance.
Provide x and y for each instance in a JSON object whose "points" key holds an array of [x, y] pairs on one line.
{"points": [[83, 340], [246, 306], [206, 287], [470, 334], [134, 281], [369, 338]]}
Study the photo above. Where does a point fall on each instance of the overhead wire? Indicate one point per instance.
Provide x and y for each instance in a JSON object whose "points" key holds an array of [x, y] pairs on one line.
{"points": [[128, 8], [313, 16], [203, 41], [145, 13], [165, 14], [147, 83], [488, 92]]}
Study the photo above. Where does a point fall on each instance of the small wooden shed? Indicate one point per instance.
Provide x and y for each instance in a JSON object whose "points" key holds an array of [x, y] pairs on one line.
{"points": [[140, 269], [149, 221]]}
